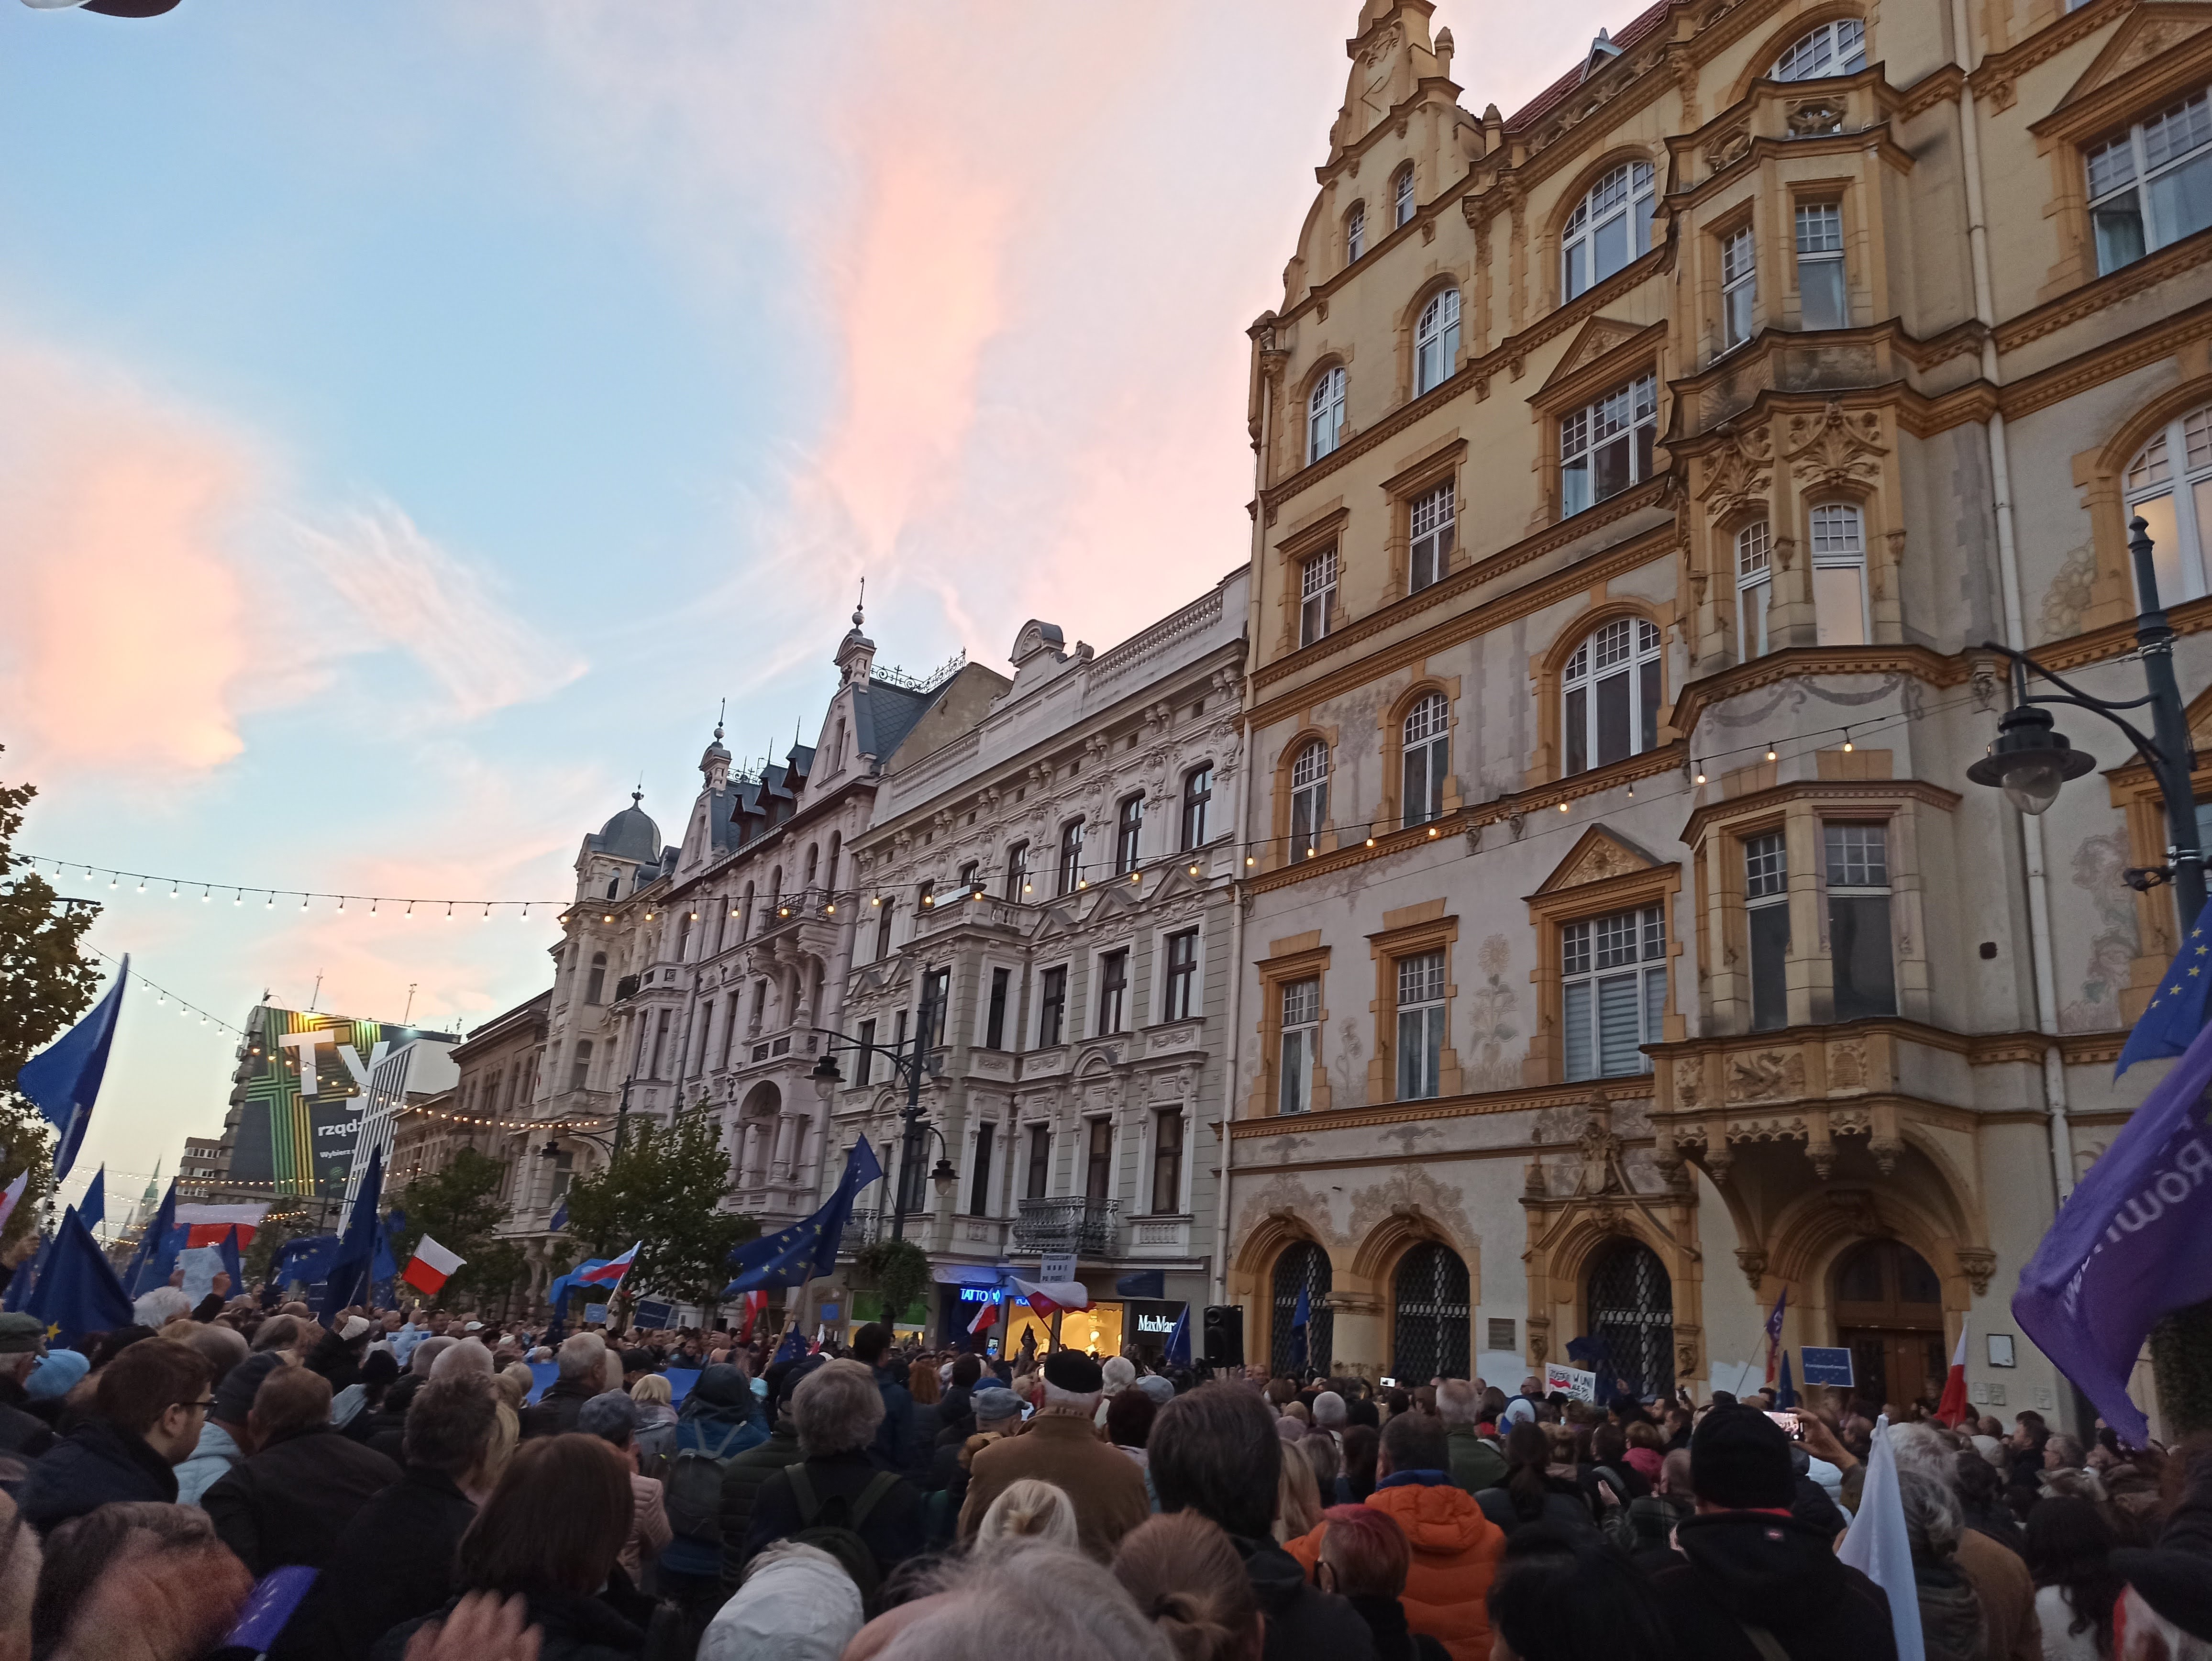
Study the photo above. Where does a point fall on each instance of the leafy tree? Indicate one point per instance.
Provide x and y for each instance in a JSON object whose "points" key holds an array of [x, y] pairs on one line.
{"points": [[458, 1207], [663, 1190], [899, 1269], [45, 982]]}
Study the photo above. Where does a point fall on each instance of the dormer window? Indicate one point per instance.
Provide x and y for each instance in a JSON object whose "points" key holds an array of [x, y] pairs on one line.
{"points": [[1836, 48], [1402, 196], [1610, 227], [1355, 234]]}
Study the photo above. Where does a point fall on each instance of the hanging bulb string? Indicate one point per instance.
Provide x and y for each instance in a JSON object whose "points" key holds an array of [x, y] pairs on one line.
{"points": [[166, 997], [268, 895]]}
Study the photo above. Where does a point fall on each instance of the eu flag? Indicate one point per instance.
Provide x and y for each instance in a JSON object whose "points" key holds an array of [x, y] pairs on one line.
{"points": [[149, 1255], [306, 1259], [92, 1210], [809, 1247], [349, 1271], [63, 1080], [78, 1293], [2176, 1012]]}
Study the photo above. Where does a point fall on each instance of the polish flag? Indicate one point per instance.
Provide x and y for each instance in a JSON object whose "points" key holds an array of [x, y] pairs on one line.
{"points": [[985, 1316], [1952, 1408], [1048, 1297], [611, 1272], [208, 1225], [431, 1266], [756, 1301], [14, 1194]]}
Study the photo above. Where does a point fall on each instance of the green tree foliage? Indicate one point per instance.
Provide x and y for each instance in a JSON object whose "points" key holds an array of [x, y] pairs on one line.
{"points": [[663, 1190], [45, 982], [458, 1207], [899, 1269]]}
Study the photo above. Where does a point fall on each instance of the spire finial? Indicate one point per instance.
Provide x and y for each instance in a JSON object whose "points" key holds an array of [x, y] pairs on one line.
{"points": [[859, 607], [638, 795], [720, 715]]}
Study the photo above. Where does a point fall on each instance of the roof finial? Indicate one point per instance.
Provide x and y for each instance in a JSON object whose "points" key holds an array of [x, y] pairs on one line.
{"points": [[638, 795], [859, 607], [720, 715]]}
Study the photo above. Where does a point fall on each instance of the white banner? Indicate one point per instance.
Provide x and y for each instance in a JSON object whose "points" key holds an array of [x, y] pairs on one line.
{"points": [[1569, 1381]]}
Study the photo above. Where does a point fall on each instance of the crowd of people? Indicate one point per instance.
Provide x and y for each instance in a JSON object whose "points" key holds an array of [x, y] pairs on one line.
{"points": [[236, 1477]]}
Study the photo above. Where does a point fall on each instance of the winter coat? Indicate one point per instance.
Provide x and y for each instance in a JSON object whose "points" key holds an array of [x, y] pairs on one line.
{"points": [[217, 1455], [656, 1438], [23, 1434], [1107, 1491], [393, 1562], [741, 1482], [1454, 1549], [721, 1416], [803, 1608], [289, 1502], [1394, 1640], [94, 1464], [555, 1412], [893, 1529], [1758, 1568], [2007, 1596], [574, 1627], [1564, 1509], [1304, 1623], [895, 1437], [1476, 1463]]}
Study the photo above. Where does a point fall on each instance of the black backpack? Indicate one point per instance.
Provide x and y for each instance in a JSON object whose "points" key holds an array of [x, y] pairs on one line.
{"points": [[834, 1525]]}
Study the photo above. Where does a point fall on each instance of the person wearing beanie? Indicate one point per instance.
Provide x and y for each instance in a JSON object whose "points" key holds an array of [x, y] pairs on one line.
{"points": [[22, 1341], [1063, 1446], [224, 1440], [1753, 1580]]}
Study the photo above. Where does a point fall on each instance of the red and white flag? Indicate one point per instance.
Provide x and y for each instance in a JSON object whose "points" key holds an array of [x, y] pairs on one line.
{"points": [[14, 1194], [431, 1267], [1048, 1297], [207, 1224], [985, 1316], [611, 1272], [756, 1301], [1952, 1408]]}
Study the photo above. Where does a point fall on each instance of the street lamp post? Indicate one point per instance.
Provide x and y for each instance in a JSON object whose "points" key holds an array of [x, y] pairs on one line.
{"points": [[912, 1125], [2030, 762]]}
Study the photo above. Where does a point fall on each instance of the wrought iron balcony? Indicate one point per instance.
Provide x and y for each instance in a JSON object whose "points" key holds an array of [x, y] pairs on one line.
{"points": [[1086, 1227]]}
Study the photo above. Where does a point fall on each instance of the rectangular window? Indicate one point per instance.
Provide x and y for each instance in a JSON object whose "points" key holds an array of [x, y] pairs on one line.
{"points": [[1071, 857], [1431, 524], [995, 1023], [1301, 1045], [1739, 287], [1181, 977], [1605, 447], [1839, 610], [968, 885], [883, 929], [1167, 1162], [1420, 1025], [1612, 979], [1198, 808], [864, 1068], [1129, 828], [1316, 593], [898, 1033], [1017, 871], [1823, 294], [1864, 968], [1051, 1008], [1113, 988], [1767, 917], [2151, 185], [1098, 1172], [1040, 1160], [979, 1183], [936, 1000], [1754, 585]]}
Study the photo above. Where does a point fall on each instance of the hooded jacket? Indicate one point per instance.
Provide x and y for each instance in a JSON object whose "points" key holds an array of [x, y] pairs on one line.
{"points": [[1304, 1623], [1476, 1463], [741, 1482], [218, 1453], [1764, 1569], [96, 1463], [1454, 1549], [289, 1502], [803, 1607]]}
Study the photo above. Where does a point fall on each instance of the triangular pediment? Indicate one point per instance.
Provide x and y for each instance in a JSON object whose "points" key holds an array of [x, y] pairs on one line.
{"points": [[2149, 32], [1599, 336], [1600, 855]]}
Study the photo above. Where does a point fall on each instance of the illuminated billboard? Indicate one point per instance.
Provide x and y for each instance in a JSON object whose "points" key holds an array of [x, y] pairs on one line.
{"points": [[304, 1083]]}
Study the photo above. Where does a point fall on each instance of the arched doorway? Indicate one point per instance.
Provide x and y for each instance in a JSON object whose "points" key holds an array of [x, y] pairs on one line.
{"points": [[1889, 1312], [1302, 1266], [1631, 1305], [1431, 1316]]}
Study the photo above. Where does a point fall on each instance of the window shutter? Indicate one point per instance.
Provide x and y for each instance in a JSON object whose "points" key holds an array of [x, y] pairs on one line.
{"points": [[1620, 1025], [1581, 1063]]}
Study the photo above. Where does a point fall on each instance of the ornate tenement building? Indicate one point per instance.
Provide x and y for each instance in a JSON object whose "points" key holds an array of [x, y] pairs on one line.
{"points": [[1052, 881], [692, 976], [1637, 476]]}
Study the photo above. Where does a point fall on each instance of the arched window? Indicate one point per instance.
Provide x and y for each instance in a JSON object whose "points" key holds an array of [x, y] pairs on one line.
{"points": [[1839, 609], [1834, 48], [1198, 807], [1071, 857], [1302, 1268], [1309, 796], [1430, 525], [1325, 414], [1424, 738], [813, 861], [614, 887], [1355, 233], [1401, 195], [1436, 341], [595, 984], [1128, 833], [2176, 502], [1610, 227], [1754, 585], [1431, 1316], [1609, 695], [836, 841], [580, 1070], [1632, 1317]]}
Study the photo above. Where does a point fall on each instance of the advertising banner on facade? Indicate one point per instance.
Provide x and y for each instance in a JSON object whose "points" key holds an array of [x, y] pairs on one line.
{"points": [[302, 1087]]}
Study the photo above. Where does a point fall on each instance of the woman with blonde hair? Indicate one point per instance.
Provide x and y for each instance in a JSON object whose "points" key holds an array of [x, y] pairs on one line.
{"points": [[1298, 1498], [1188, 1581], [1029, 1510], [656, 1424]]}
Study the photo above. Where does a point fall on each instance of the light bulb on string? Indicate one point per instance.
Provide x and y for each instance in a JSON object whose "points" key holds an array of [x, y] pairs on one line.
{"points": [[114, 881], [238, 896], [1770, 752], [141, 884], [206, 894], [487, 915], [173, 891], [303, 902], [270, 904], [1847, 740], [410, 908]]}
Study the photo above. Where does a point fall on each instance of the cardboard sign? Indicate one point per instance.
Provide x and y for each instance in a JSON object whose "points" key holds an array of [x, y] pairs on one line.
{"points": [[1571, 1382], [651, 1316], [1056, 1266], [1826, 1367]]}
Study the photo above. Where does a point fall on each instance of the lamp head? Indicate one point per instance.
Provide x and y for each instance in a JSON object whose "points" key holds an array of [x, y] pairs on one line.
{"points": [[942, 1176], [2030, 760]]}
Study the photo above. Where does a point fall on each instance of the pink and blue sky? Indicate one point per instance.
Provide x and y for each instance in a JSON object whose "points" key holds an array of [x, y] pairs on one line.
{"points": [[416, 418]]}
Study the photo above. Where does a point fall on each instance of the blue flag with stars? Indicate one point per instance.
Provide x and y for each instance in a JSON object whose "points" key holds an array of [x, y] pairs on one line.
{"points": [[2176, 1013], [78, 1293], [809, 1247]]}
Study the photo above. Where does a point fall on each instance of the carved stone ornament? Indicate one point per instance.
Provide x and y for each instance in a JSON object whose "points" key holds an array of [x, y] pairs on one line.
{"points": [[1752, 1259], [1834, 448], [1977, 1263], [1885, 1155], [1823, 1156], [1690, 1083], [1600, 1151], [1765, 1076], [1602, 859], [1737, 474], [1815, 116], [1687, 1356], [1727, 149], [1847, 1065]]}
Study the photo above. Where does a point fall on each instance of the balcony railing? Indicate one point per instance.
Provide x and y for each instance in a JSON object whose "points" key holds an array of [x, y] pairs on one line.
{"points": [[1086, 1227]]}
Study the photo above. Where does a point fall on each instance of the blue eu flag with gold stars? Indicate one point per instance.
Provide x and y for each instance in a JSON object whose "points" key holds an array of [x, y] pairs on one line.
{"points": [[2176, 1012], [809, 1247]]}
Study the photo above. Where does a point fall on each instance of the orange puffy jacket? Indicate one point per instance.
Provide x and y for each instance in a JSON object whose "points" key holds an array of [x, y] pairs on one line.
{"points": [[1456, 1550]]}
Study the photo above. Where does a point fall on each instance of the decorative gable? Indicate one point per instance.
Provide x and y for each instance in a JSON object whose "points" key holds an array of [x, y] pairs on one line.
{"points": [[1600, 337], [2159, 49], [1601, 855]]}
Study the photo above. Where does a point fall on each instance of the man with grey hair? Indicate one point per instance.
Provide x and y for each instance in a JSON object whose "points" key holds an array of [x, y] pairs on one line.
{"points": [[1999, 1578], [1062, 1446], [1476, 1462], [836, 1410], [582, 1362]]}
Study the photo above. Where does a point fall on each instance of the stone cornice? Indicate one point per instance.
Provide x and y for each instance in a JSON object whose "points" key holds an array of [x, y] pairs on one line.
{"points": [[1849, 790], [1523, 1100], [1923, 663]]}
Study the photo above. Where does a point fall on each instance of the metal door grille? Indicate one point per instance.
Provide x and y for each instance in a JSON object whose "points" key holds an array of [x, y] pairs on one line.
{"points": [[1632, 1317], [1431, 1331], [1306, 1265]]}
